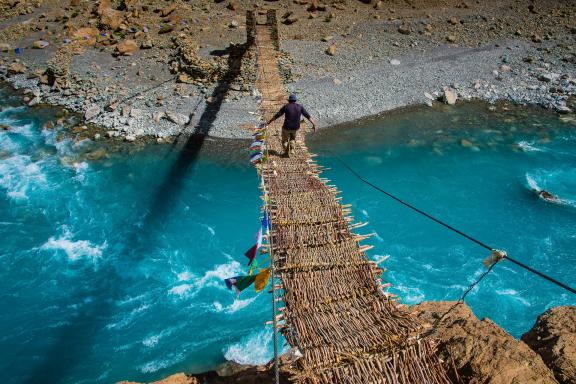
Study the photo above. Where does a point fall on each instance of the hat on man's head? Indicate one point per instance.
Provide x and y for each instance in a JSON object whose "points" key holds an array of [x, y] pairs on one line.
{"points": [[292, 97]]}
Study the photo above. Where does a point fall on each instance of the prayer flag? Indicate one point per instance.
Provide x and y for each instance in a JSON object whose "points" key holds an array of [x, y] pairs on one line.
{"points": [[266, 222], [17, 51], [239, 283], [256, 158], [261, 280], [252, 252], [253, 267], [257, 143]]}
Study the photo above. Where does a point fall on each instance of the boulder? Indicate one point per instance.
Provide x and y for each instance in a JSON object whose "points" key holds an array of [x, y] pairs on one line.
{"points": [[127, 47], [478, 351], [450, 96], [553, 337], [111, 18]]}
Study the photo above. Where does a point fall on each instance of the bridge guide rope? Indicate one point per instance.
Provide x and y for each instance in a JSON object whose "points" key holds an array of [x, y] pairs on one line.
{"points": [[336, 312]]}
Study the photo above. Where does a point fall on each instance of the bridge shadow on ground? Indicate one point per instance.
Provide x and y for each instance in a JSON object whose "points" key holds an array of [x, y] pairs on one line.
{"points": [[75, 339]]}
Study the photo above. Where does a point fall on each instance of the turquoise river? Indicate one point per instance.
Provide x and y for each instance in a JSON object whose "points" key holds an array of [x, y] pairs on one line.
{"points": [[112, 264]]}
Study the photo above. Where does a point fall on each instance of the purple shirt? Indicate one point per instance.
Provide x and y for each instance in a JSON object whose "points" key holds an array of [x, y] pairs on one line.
{"points": [[293, 113]]}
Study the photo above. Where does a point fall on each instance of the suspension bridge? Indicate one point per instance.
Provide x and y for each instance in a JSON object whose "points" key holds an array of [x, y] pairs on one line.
{"points": [[336, 311]]}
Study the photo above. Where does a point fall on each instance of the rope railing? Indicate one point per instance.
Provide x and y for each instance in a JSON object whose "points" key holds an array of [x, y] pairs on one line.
{"points": [[498, 255]]}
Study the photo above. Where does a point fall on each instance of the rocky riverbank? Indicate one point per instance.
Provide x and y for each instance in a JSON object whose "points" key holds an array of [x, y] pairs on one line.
{"points": [[473, 351], [160, 69]]}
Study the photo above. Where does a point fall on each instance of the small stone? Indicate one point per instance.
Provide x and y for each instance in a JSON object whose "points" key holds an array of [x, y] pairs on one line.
{"points": [[232, 5], [97, 136], [135, 113], [183, 78], [395, 62], [40, 44], [429, 96], [451, 38], [113, 105], [331, 50], [166, 29], [147, 43], [168, 10], [505, 68], [404, 30], [454, 21], [466, 143], [327, 38], [158, 116], [290, 20], [127, 47], [379, 5], [233, 24], [337, 81], [130, 138]]}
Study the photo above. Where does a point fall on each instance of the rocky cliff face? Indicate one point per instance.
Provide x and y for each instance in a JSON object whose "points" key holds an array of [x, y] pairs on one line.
{"points": [[478, 351], [553, 337]]}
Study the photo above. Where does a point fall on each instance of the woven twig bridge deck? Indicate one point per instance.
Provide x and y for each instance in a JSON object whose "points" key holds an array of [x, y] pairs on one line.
{"points": [[336, 311]]}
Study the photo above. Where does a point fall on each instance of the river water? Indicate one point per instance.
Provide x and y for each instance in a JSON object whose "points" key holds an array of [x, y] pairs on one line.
{"points": [[112, 268]]}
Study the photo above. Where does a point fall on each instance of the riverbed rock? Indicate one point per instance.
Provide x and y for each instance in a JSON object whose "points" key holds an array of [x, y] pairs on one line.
{"points": [[331, 50], [553, 337], [449, 96], [177, 118], [92, 112], [40, 44], [16, 68], [479, 351]]}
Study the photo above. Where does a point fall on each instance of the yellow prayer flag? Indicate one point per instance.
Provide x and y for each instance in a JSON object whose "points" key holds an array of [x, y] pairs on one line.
{"points": [[262, 280]]}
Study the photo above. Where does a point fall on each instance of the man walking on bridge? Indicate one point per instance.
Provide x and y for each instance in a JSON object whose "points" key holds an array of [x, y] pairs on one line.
{"points": [[293, 113]]}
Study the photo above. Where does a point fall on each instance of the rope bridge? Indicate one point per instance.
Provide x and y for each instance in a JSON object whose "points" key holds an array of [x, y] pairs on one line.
{"points": [[336, 311]]}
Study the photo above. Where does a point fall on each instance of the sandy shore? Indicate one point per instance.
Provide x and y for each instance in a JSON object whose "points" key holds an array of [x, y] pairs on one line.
{"points": [[384, 56]]}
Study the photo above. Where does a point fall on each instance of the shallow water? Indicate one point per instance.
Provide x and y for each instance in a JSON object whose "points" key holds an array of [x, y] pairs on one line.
{"points": [[474, 169], [112, 269]]}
